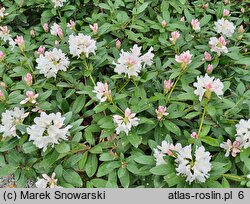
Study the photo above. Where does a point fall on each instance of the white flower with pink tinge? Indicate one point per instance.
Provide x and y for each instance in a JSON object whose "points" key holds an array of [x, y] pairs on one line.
{"points": [[58, 3], [218, 45], [161, 112], [174, 36], [56, 30], [31, 97], [131, 63], [224, 27], [5, 33], [158, 155], [243, 133], [124, 124], [229, 147], [47, 182], [71, 25], [102, 92], [206, 85], [196, 25], [81, 44], [94, 28], [184, 59]]}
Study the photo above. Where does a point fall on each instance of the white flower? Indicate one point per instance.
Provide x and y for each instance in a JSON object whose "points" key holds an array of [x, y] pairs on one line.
{"points": [[48, 130], [207, 85], [31, 98], [218, 45], [51, 62], [243, 133], [194, 168], [102, 92], [124, 124], [2, 13], [81, 44], [58, 3], [224, 27], [56, 30], [196, 25], [229, 147], [5, 33], [159, 157], [11, 118], [131, 63], [46, 181]]}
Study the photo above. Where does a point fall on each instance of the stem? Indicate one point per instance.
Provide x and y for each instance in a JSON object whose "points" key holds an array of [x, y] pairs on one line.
{"points": [[124, 86], [87, 67], [173, 87], [202, 118], [117, 107]]}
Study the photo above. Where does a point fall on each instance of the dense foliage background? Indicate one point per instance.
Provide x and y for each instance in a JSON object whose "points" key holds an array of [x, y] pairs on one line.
{"points": [[93, 155]]}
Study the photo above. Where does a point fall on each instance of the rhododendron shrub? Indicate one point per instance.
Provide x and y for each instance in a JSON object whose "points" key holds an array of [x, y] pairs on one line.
{"points": [[125, 93]]}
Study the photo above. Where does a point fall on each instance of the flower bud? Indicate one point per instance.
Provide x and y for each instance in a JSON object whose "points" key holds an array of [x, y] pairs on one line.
{"points": [[20, 42], [242, 10], [2, 97], [194, 135], [32, 33], [118, 44], [28, 79], [226, 12], [56, 42], [1, 55], [163, 23], [3, 85], [167, 86], [46, 27], [94, 28], [183, 19], [207, 57], [210, 69]]}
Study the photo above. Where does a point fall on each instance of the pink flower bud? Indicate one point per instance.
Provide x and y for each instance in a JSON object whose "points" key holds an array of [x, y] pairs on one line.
{"points": [[28, 79], [195, 24], [46, 27], [41, 50], [3, 85], [242, 10], [20, 42], [241, 29], [222, 41], [174, 36], [2, 97], [183, 19], [118, 44], [209, 69], [194, 135], [207, 57], [205, 6], [163, 23], [32, 33], [94, 28], [56, 42], [71, 25], [226, 12], [167, 86], [60, 33], [1, 55]]}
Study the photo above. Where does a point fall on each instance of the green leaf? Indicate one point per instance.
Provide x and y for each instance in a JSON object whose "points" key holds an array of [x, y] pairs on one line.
{"points": [[172, 127], [162, 169], [83, 160], [96, 149], [99, 183], [91, 165], [7, 170], [146, 160], [62, 148], [211, 141], [134, 139], [29, 147], [72, 177], [79, 104]]}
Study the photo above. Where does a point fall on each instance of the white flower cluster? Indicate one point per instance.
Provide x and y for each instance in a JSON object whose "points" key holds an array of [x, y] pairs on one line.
{"points": [[47, 182], [131, 63], [194, 168], [48, 130], [10, 119], [102, 92], [51, 62], [218, 45], [243, 133], [224, 27], [58, 3], [81, 44], [124, 124], [206, 85]]}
